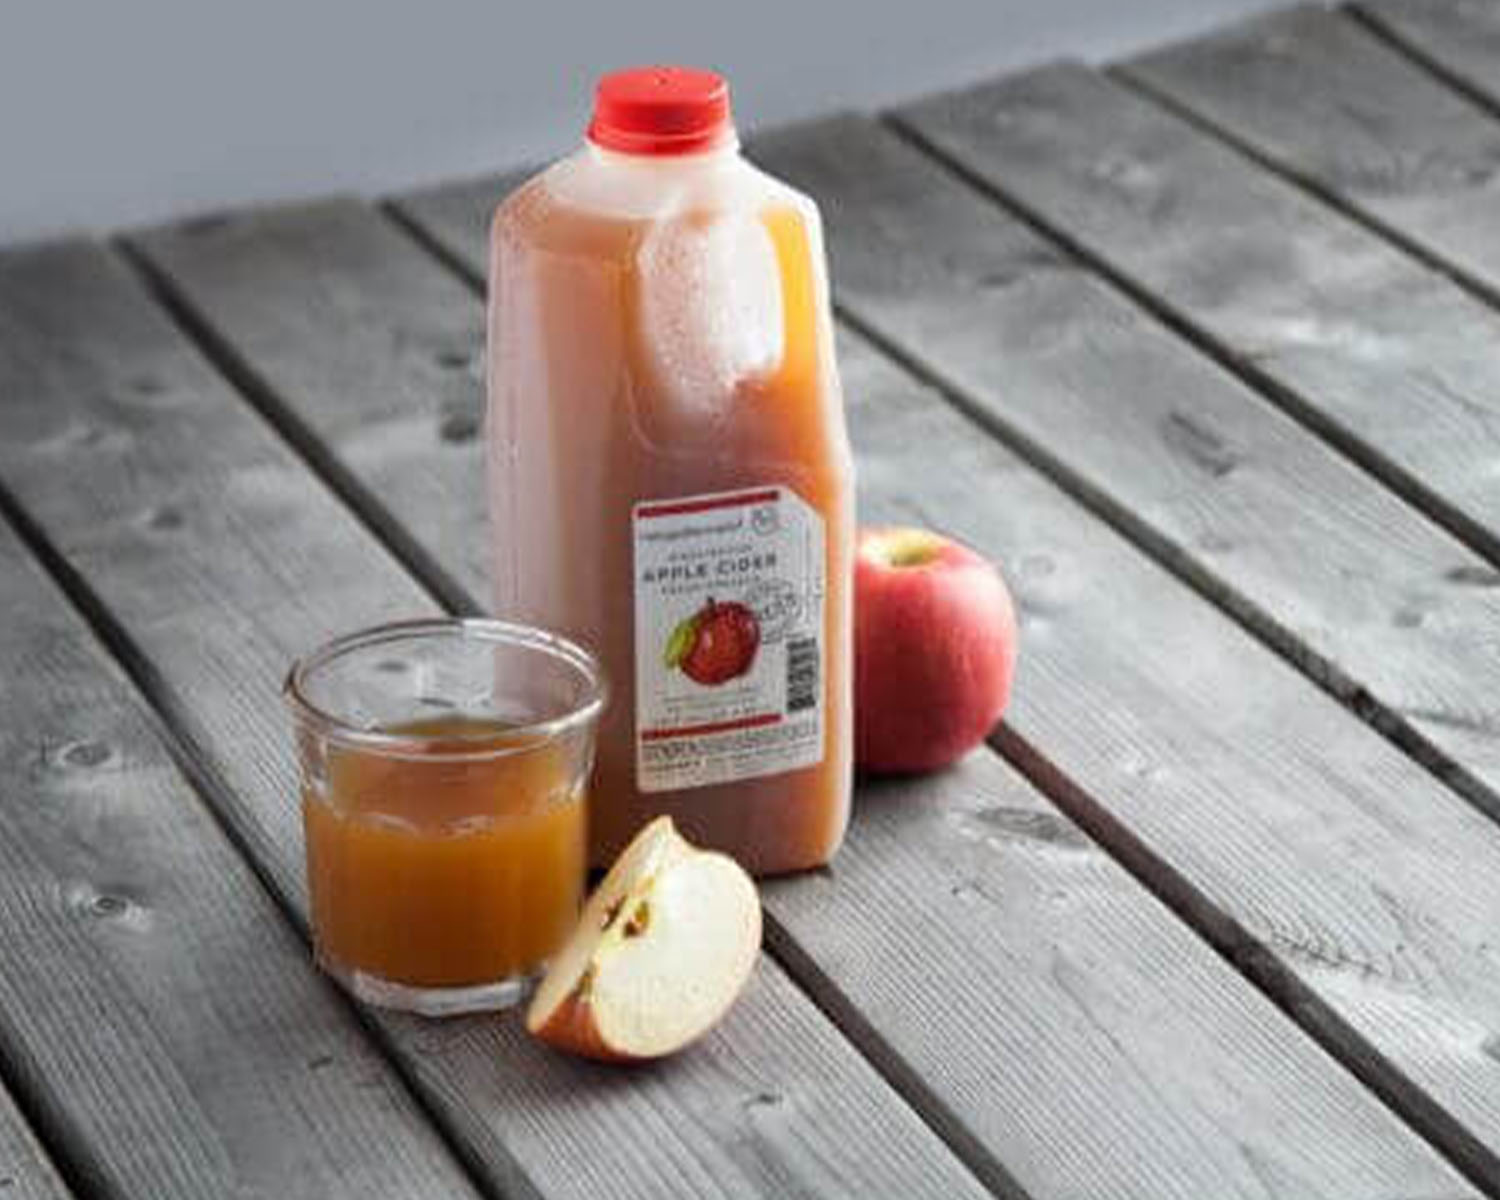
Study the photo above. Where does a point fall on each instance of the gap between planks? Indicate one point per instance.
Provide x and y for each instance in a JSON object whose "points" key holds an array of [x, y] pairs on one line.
{"points": [[453, 597], [1464, 528], [1127, 77], [1257, 964], [160, 711], [1222, 932], [1322, 671], [444, 590], [1393, 37]]}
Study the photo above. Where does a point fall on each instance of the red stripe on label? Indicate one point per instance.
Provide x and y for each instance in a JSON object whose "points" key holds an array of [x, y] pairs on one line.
{"points": [[693, 506], [657, 735]]}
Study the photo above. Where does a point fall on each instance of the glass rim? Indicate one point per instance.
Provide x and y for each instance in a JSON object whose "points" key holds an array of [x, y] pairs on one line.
{"points": [[477, 630]]}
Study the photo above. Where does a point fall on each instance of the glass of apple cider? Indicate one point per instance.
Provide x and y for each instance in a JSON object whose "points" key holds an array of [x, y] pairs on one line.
{"points": [[444, 767]]}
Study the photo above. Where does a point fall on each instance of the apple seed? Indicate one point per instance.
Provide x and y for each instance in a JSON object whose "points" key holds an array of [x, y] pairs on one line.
{"points": [[639, 920]]}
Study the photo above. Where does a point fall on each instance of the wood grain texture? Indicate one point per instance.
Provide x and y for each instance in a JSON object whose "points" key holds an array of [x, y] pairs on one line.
{"points": [[1460, 38], [968, 932], [221, 557], [399, 391], [154, 1004], [1205, 756], [1326, 100], [26, 1173], [1388, 357], [1353, 583]]}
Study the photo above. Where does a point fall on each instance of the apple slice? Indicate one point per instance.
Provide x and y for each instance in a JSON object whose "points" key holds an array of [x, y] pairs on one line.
{"points": [[664, 946]]}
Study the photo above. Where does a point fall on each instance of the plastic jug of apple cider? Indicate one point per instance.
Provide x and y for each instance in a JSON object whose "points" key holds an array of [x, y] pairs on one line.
{"points": [[670, 475]]}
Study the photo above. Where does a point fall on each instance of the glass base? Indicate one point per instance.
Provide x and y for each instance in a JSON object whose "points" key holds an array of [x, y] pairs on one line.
{"points": [[433, 1001]]}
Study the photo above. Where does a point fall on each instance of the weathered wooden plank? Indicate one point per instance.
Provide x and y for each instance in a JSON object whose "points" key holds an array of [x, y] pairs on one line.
{"points": [[26, 1173], [410, 440], [1356, 585], [967, 926], [154, 1005], [1460, 38], [220, 557], [1282, 812], [1324, 99], [1388, 357]]}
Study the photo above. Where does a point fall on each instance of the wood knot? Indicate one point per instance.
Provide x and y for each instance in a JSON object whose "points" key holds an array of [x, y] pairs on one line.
{"points": [[1475, 175], [86, 754], [166, 518], [89, 901], [459, 427], [1194, 441], [1408, 618], [1033, 825], [86, 436], [968, 891], [108, 906]]}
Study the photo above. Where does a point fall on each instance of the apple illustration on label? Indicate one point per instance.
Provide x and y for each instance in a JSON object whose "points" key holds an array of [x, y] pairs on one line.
{"points": [[716, 644], [934, 649], [664, 946]]}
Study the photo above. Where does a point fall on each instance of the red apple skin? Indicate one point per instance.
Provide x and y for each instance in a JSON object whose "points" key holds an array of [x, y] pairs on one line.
{"points": [[573, 1028], [934, 652]]}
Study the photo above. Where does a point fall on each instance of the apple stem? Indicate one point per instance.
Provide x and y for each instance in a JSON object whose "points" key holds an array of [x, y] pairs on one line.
{"points": [[904, 548]]}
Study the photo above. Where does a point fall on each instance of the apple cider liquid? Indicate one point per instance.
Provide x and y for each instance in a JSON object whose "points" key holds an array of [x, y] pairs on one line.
{"points": [[670, 475]]}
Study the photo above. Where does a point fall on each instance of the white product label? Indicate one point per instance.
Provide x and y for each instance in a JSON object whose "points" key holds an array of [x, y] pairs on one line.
{"points": [[729, 655]]}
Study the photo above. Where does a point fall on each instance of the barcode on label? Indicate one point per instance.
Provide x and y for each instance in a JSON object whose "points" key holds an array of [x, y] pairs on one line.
{"points": [[801, 674]]}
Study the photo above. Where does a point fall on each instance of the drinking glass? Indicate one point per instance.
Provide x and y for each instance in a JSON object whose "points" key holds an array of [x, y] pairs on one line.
{"points": [[444, 771]]}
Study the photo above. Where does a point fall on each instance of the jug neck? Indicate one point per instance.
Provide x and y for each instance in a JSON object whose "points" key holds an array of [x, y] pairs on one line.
{"points": [[725, 151]]}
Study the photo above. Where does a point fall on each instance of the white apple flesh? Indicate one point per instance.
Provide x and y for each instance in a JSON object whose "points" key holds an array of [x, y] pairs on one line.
{"points": [[664, 946]]}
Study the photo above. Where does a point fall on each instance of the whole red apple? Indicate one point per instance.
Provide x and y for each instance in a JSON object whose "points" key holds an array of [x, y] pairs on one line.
{"points": [[934, 649]]}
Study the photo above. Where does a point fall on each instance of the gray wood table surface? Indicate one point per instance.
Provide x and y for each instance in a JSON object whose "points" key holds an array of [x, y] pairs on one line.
{"points": [[1203, 347]]}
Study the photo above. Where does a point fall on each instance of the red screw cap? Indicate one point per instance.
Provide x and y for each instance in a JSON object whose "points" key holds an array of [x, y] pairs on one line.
{"points": [[660, 110]]}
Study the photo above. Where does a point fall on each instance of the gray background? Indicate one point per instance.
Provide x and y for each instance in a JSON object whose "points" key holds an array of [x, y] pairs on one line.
{"points": [[116, 112]]}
